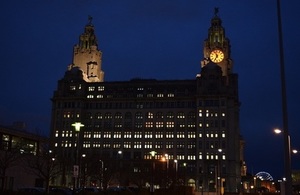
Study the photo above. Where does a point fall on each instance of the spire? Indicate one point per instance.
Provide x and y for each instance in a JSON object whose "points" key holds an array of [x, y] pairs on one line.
{"points": [[88, 38], [217, 45], [86, 55], [216, 31]]}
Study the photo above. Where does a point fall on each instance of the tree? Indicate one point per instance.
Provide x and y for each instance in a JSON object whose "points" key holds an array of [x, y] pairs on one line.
{"points": [[8, 158], [44, 165]]}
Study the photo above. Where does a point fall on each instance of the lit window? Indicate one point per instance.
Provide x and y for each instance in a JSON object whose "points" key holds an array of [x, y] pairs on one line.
{"points": [[223, 135], [87, 135], [139, 115], [100, 88], [90, 96], [118, 115], [191, 135], [148, 144], [98, 115], [170, 124], [117, 135], [180, 134], [149, 115], [169, 135], [159, 115], [180, 115], [127, 144], [137, 134], [137, 145], [191, 157], [148, 135], [99, 96], [159, 124], [127, 134], [160, 95], [159, 135], [200, 155], [171, 95], [72, 87], [170, 115], [91, 88], [97, 134], [169, 145], [149, 124], [106, 135]]}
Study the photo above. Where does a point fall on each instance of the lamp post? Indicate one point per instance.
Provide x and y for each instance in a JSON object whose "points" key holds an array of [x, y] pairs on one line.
{"points": [[176, 168], [167, 170], [101, 174], [82, 170], [153, 168], [77, 126], [287, 149], [288, 172], [219, 177], [184, 165]]}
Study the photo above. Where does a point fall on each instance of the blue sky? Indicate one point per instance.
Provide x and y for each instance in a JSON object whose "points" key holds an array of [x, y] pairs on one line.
{"points": [[155, 39]]}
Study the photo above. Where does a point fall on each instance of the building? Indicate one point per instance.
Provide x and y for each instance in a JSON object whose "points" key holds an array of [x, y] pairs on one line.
{"points": [[149, 132], [15, 145]]}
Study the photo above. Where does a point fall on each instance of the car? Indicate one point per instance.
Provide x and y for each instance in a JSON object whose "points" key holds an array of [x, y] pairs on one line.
{"points": [[60, 191], [88, 189], [32, 190]]}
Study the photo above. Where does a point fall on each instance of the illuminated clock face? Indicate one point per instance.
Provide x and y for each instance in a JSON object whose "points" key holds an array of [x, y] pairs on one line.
{"points": [[216, 56]]}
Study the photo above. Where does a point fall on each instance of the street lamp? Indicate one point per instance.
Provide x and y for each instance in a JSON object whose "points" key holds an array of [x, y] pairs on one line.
{"points": [[219, 186], [101, 174], [167, 170], [288, 172], [77, 126], [287, 148], [184, 165], [82, 170], [176, 168], [153, 167]]}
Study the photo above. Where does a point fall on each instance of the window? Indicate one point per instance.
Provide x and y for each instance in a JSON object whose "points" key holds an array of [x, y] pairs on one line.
{"points": [[159, 135], [100, 88], [149, 115], [127, 134], [170, 124], [127, 144], [91, 88], [180, 115], [137, 134], [137, 145], [106, 135], [139, 115], [148, 134], [72, 87], [149, 124]]}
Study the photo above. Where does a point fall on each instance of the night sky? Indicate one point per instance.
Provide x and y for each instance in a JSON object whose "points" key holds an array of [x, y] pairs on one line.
{"points": [[160, 39]]}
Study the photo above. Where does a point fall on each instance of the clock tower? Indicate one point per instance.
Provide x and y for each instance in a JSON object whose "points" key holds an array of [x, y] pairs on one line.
{"points": [[87, 57], [217, 46]]}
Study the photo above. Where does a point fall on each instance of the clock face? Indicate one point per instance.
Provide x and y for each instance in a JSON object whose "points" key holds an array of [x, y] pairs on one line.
{"points": [[216, 56]]}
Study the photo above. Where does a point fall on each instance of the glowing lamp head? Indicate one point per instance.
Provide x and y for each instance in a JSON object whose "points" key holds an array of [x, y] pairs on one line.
{"points": [[152, 153], [77, 126], [277, 131]]}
